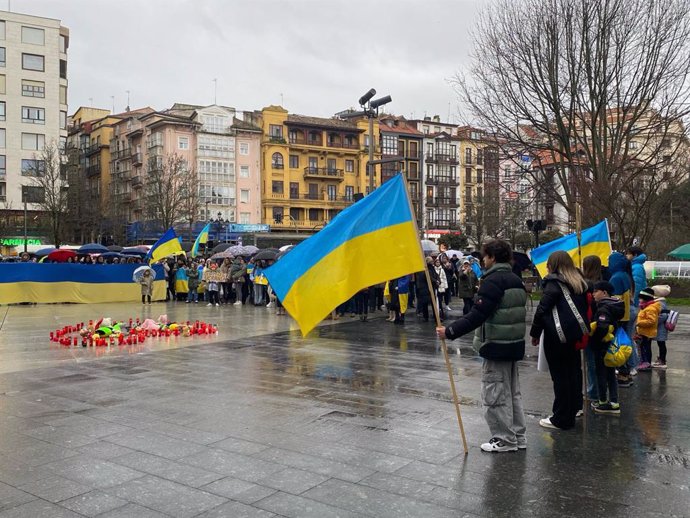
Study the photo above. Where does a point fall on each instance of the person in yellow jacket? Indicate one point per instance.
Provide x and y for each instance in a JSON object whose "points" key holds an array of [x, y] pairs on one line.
{"points": [[646, 326]]}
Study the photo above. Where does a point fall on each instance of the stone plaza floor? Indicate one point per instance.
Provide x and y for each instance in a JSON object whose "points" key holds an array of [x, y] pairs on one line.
{"points": [[354, 420]]}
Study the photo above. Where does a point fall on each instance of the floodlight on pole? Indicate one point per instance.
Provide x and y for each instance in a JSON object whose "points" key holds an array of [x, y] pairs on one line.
{"points": [[367, 97], [380, 102]]}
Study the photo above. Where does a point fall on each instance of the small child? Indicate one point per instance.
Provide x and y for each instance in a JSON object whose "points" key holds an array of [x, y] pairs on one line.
{"points": [[607, 317], [212, 284], [647, 325], [146, 282], [661, 291]]}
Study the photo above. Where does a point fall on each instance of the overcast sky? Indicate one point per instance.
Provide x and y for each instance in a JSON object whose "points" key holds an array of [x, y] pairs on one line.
{"points": [[318, 56]]}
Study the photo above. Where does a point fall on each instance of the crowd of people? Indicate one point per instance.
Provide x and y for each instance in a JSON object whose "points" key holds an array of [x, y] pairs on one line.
{"points": [[25, 257], [580, 309]]}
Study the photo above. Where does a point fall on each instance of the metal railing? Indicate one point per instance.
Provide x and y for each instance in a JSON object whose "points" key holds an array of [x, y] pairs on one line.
{"points": [[323, 172]]}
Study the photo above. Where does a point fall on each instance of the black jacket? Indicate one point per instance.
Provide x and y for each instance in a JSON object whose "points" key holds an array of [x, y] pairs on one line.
{"points": [[543, 316], [498, 314], [608, 312]]}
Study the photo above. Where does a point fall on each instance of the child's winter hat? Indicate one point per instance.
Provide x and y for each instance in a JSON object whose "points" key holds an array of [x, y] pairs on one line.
{"points": [[662, 290], [604, 286], [647, 294]]}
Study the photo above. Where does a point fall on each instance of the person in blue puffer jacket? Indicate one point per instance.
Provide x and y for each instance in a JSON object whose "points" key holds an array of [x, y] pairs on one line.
{"points": [[637, 257], [623, 289]]}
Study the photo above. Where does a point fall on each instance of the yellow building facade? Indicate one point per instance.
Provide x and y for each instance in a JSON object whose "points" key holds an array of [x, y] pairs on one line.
{"points": [[311, 168]]}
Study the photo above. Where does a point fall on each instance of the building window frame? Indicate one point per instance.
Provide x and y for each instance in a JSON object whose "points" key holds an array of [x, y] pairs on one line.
{"points": [[33, 115], [32, 88], [27, 63]]}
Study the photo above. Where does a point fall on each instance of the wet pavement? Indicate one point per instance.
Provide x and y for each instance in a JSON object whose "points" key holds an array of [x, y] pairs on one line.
{"points": [[354, 420]]}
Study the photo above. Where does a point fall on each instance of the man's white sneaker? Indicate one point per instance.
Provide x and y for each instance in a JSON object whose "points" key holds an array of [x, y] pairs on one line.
{"points": [[209, 304], [269, 305], [497, 446], [238, 303]]}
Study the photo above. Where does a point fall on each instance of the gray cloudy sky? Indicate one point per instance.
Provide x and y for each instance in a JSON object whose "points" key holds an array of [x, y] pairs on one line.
{"points": [[320, 55]]}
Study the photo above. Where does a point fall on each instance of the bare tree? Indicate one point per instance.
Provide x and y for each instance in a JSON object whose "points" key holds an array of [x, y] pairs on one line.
{"points": [[47, 188], [168, 187], [597, 90], [190, 204]]}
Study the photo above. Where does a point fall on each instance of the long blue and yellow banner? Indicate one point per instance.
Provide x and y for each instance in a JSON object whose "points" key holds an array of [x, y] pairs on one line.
{"points": [[77, 283], [372, 241]]}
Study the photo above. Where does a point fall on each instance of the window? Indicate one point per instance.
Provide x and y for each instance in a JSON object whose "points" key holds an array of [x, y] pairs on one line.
{"points": [[63, 43], [313, 163], [33, 88], [632, 145], [2, 138], [480, 157], [331, 165], [275, 131], [2, 56], [277, 161], [33, 115], [332, 192], [63, 94], [3, 165], [33, 35], [389, 144], [294, 190], [468, 155], [63, 120], [212, 146], [480, 176], [468, 175], [294, 161], [244, 218], [33, 141], [349, 192], [63, 68], [215, 123], [33, 167], [33, 62], [2, 110], [244, 195], [244, 148], [33, 194], [3, 191], [216, 171], [349, 166], [244, 171], [2, 29], [182, 142], [277, 187], [2, 83], [278, 214], [426, 130], [468, 194]]}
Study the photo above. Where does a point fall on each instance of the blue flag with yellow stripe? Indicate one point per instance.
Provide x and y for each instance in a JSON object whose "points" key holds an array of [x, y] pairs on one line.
{"points": [[372, 241]]}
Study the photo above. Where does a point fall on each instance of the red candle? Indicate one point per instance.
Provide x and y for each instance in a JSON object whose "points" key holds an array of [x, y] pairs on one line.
{"points": [[75, 340]]}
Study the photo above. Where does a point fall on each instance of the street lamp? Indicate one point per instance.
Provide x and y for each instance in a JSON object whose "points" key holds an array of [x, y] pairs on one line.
{"points": [[370, 109], [219, 223]]}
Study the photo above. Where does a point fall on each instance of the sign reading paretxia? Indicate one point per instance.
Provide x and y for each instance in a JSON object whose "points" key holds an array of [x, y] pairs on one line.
{"points": [[238, 227], [18, 241]]}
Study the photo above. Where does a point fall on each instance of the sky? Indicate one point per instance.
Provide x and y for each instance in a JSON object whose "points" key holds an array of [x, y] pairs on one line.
{"points": [[315, 57]]}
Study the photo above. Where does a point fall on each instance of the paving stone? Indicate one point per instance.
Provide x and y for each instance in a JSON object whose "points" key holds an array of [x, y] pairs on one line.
{"points": [[315, 464], [167, 497], [38, 508], [155, 444], [93, 503], [236, 510], [104, 450], [54, 489], [240, 490], [133, 511], [93, 472], [241, 466], [167, 469], [293, 506], [293, 481], [12, 497]]}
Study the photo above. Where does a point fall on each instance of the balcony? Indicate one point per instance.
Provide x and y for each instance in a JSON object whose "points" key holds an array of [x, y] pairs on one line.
{"points": [[136, 158], [154, 143], [276, 165], [442, 202], [137, 181], [442, 180], [92, 149], [442, 224], [324, 173], [118, 154], [276, 139], [441, 158], [93, 170]]}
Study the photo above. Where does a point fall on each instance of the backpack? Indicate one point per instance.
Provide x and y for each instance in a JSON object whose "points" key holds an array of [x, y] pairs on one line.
{"points": [[619, 350], [672, 320]]}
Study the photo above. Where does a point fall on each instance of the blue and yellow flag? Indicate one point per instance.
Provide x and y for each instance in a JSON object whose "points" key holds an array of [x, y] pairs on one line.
{"points": [[593, 241], [168, 244], [201, 239], [370, 242]]}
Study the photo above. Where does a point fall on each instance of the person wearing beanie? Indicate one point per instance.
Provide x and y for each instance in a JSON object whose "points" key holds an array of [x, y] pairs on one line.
{"points": [[623, 289], [607, 318], [661, 291], [646, 326]]}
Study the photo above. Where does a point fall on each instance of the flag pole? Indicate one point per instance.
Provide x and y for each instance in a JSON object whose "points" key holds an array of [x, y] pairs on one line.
{"points": [[583, 358], [444, 347]]}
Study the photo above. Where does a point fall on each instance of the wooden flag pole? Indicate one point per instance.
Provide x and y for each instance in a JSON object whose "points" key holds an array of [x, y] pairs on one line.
{"points": [[444, 347]]}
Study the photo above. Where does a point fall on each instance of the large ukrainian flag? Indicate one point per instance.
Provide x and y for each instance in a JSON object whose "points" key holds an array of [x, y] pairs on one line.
{"points": [[368, 243], [201, 239], [168, 244], [593, 241]]}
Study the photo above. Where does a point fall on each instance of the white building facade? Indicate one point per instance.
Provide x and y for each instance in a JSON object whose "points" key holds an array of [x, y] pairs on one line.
{"points": [[33, 99]]}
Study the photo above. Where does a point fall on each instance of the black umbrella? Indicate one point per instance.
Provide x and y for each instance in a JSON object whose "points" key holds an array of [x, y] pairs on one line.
{"points": [[269, 254], [522, 261], [115, 248], [92, 248]]}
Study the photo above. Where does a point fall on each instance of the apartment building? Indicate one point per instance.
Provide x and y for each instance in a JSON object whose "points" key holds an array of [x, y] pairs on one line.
{"points": [[33, 104], [312, 167]]}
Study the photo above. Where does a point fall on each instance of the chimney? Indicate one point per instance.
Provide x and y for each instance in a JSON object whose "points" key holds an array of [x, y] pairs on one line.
{"points": [[437, 118]]}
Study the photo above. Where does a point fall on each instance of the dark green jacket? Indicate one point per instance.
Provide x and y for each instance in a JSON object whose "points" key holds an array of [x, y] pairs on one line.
{"points": [[498, 316]]}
